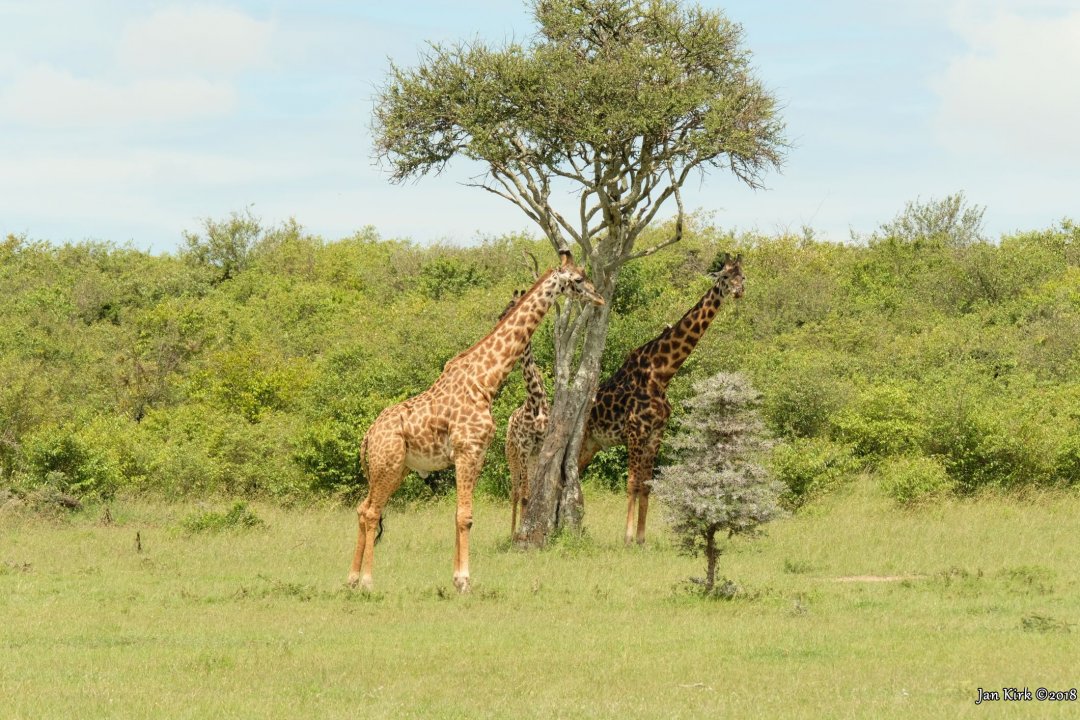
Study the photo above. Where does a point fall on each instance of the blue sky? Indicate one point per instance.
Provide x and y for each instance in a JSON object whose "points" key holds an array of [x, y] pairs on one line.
{"points": [[132, 121]]}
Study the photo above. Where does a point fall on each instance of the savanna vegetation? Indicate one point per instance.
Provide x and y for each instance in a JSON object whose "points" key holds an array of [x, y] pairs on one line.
{"points": [[178, 434], [185, 610], [249, 363]]}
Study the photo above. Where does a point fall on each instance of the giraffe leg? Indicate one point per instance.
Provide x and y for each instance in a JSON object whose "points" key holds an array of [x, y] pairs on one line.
{"points": [[645, 475], [386, 468], [518, 483], [631, 502], [467, 468], [633, 485]]}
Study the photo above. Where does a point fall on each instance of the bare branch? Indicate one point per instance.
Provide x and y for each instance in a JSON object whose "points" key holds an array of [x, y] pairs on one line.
{"points": [[535, 269]]}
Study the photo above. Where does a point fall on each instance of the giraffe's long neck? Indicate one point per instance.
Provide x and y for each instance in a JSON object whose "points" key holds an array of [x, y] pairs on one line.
{"points": [[536, 402], [490, 360], [669, 351]]}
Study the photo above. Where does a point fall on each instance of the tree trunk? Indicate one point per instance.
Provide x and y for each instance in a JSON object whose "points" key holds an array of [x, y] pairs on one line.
{"points": [[711, 554], [555, 499]]}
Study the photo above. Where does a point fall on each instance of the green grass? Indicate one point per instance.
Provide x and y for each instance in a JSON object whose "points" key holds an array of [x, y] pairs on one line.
{"points": [[255, 622]]}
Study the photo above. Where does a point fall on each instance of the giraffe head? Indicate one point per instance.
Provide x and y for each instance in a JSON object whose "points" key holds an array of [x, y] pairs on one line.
{"points": [[726, 271], [571, 280]]}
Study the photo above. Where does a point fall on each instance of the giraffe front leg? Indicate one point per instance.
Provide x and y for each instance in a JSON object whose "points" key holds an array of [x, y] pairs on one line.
{"points": [[633, 486], [645, 464], [467, 470], [631, 503], [643, 510], [518, 482]]}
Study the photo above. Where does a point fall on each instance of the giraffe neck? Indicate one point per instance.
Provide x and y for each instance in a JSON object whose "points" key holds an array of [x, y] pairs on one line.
{"points": [[669, 351], [536, 402], [489, 361]]}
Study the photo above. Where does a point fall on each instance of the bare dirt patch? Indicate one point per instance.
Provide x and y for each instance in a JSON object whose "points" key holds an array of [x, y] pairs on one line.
{"points": [[877, 578]]}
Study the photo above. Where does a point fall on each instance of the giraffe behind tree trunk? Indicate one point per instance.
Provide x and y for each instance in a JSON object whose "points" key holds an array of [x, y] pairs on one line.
{"points": [[524, 435]]}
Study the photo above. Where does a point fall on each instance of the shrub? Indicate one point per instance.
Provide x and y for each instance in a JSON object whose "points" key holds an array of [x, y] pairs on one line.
{"points": [[911, 479], [882, 421], [810, 467], [328, 454], [238, 517], [1067, 461], [981, 445], [801, 395], [69, 459]]}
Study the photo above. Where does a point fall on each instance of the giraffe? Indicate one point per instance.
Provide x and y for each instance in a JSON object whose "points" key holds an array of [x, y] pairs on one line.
{"points": [[450, 422], [525, 434], [631, 407]]}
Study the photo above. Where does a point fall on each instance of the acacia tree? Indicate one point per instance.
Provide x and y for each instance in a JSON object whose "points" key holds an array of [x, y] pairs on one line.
{"points": [[718, 484], [590, 128]]}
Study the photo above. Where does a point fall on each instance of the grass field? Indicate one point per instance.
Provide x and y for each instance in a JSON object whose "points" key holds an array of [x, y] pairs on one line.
{"points": [[257, 623]]}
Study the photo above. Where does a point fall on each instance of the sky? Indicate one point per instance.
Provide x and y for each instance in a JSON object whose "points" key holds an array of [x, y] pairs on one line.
{"points": [[133, 121]]}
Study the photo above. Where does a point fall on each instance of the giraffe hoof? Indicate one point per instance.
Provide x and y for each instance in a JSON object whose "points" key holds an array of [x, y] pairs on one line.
{"points": [[364, 584], [462, 584]]}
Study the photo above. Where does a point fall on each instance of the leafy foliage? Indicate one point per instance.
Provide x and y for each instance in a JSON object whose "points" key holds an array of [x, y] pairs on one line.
{"points": [[238, 517], [125, 371], [911, 479]]}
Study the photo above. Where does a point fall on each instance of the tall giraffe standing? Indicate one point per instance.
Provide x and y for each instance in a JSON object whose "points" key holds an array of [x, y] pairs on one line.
{"points": [[450, 422], [525, 434], [631, 407]]}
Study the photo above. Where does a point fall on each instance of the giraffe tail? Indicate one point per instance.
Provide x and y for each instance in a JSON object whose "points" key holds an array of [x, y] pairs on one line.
{"points": [[364, 476], [363, 458]]}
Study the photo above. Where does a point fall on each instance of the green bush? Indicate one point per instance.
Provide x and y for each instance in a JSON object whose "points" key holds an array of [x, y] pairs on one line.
{"points": [[328, 453], [883, 420], [810, 467], [198, 450], [801, 394], [1067, 461], [981, 445], [238, 517], [251, 362], [71, 459], [911, 479]]}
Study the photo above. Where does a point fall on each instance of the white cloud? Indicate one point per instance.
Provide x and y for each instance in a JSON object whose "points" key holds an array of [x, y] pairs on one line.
{"points": [[1012, 94], [44, 96], [173, 65], [203, 40]]}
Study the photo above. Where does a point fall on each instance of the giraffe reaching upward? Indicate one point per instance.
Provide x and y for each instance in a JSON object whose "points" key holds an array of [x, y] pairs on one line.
{"points": [[525, 432], [450, 422], [631, 407]]}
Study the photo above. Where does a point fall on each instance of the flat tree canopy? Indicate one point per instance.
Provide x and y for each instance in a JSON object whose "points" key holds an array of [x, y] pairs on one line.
{"points": [[589, 128]]}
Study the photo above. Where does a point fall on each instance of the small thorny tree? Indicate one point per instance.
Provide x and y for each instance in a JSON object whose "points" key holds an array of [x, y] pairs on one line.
{"points": [[718, 483], [589, 128]]}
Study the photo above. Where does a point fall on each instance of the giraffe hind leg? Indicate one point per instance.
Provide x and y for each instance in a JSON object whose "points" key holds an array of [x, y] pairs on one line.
{"points": [[386, 468]]}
